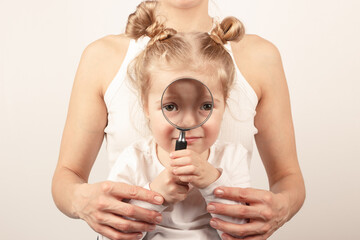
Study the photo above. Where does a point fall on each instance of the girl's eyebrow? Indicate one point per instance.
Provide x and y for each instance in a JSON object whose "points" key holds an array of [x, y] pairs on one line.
{"points": [[216, 100], [168, 98]]}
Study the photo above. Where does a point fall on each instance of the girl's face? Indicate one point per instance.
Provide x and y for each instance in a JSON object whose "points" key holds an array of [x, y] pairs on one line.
{"points": [[199, 139]]}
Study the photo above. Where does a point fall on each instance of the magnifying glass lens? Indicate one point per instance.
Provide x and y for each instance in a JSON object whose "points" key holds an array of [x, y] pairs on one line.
{"points": [[187, 103]]}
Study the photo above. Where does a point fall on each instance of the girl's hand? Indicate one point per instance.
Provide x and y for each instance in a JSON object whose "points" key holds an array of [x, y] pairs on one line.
{"points": [[101, 207], [170, 187], [189, 167], [265, 211]]}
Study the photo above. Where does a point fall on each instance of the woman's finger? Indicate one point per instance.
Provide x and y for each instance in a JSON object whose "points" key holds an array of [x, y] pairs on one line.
{"points": [[245, 195], [240, 230], [125, 225], [123, 190], [225, 236], [235, 210], [117, 207], [111, 233]]}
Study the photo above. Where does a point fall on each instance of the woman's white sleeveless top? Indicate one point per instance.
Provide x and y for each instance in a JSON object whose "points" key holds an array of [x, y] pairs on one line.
{"points": [[126, 121]]}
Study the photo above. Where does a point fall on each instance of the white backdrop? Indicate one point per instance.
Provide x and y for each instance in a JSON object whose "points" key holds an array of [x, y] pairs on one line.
{"points": [[40, 46]]}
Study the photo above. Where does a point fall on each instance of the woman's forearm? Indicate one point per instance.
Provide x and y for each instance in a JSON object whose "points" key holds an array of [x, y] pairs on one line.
{"points": [[292, 187], [64, 185]]}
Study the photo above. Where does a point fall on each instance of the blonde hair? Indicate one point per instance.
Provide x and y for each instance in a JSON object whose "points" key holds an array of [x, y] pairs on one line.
{"points": [[194, 51]]}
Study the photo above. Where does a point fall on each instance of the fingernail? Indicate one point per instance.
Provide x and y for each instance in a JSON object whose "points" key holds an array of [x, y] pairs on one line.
{"points": [[225, 237], [152, 227], [158, 219], [213, 224], [171, 155], [139, 236], [174, 171], [219, 192], [211, 208], [158, 199]]}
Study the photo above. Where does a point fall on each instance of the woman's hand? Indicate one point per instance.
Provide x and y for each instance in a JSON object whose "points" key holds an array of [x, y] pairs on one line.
{"points": [[170, 187], [265, 211], [101, 207], [190, 167]]}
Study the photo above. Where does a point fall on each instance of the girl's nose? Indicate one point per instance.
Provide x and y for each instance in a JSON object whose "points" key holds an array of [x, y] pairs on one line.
{"points": [[190, 118]]}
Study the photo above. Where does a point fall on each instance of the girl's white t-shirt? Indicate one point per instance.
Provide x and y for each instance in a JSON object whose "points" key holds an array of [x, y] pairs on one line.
{"points": [[139, 165], [127, 123]]}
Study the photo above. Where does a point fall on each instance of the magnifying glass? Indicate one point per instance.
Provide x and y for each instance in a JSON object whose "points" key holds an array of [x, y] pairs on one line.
{"points": [[186, 103]]}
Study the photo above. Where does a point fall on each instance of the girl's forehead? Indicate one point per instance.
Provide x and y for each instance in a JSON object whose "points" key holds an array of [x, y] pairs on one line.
{"points": [[161, 79]]}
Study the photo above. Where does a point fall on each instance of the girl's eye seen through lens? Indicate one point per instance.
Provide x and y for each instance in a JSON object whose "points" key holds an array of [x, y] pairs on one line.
{"points": [[170, 107], [206, 106]]}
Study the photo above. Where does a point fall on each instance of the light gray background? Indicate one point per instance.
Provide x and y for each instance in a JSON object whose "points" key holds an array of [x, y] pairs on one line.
{"points": [[40, 46]]}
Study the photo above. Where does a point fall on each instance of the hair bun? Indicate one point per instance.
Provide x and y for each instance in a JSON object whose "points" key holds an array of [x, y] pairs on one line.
{"points": [[161, 35], [154, 29], [143, 18], [144, 22], [230, 29]]}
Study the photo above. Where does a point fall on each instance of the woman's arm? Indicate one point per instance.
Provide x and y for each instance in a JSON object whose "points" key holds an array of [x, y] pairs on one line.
{"points": [[276, 139], [260, 63], [98, 204]]}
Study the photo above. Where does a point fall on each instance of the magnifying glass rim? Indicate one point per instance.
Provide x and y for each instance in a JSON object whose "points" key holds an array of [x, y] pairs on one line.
{"points": [[200, 124]]}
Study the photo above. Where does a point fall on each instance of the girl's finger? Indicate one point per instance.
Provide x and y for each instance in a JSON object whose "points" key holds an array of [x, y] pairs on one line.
{"points": [[244, 195], [180, 153], [180, 161], [184, 170], [236, 210], [112, 205], [186, 178], [181, 187], [240, 230], [186, 184]]}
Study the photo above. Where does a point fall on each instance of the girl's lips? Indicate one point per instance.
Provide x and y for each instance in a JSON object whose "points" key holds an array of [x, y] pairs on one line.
{"points": [[190, 140]]}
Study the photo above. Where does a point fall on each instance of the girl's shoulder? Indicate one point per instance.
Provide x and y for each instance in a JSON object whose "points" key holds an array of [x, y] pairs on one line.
{"points": [[221, 151], [105, 56], [135, 156], [253, 53], [223, 147], [232, 158]]}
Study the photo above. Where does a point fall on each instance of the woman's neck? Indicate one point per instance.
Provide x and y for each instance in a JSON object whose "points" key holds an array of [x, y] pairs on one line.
{"points": [[189, 19]]}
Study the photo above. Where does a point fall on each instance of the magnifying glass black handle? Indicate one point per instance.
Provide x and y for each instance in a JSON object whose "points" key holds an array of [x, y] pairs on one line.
{"points": [[181, 142], [180, 145]]}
